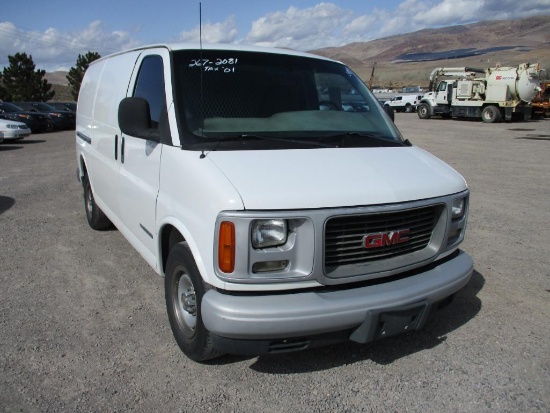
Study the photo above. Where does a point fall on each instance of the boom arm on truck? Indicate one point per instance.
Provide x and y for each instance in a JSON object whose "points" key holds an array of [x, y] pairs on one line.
{"points": [[458, 72]]}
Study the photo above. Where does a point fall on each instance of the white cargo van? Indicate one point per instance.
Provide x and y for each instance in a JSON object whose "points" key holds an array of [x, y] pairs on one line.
{"points": [[283, 211], [404, 103]]}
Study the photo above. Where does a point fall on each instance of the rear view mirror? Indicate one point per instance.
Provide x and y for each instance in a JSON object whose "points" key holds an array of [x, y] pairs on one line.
{"points": [[134, 119]]}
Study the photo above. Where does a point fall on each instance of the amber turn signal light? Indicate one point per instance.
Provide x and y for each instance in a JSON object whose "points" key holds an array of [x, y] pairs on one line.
{"points": [[226, 247]]}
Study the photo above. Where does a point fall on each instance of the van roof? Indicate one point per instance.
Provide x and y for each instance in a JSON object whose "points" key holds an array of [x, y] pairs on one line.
{"points": [[219, 46]]}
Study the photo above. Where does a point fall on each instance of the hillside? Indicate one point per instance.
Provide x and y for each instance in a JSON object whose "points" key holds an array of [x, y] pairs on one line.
{"points": [[408, 59], [60, 85]]}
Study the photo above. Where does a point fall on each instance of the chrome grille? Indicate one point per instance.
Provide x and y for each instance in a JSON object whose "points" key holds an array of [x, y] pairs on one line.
{"points": [[344, 235]]}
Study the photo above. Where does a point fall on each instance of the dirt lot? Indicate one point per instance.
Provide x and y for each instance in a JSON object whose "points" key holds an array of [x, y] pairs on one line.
{"points": [[83, 324]]}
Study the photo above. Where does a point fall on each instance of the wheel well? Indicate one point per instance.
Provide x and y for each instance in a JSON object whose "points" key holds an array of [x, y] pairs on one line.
{"points": [[495, 105], [82, 171], [168, 238]]}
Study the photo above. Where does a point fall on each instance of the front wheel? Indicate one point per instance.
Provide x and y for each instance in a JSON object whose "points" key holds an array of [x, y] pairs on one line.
{"points": [[184, 289], [423, 111]]}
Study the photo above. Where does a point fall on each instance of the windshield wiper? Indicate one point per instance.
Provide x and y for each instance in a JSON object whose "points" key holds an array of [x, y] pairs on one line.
{"points": [[251, 136], [341, 137]]}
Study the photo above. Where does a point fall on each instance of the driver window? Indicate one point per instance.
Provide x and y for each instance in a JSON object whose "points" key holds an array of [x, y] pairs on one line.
{"points": [[150, 86]]}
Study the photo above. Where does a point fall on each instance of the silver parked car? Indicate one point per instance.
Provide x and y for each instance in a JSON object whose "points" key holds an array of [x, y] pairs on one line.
{"points": [[12, 130]]}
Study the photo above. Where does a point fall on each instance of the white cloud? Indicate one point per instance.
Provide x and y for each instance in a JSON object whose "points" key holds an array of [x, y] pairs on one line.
{"points": [[360, 25], [55, 50], [452, 12], [224, 32], [301, 29]]}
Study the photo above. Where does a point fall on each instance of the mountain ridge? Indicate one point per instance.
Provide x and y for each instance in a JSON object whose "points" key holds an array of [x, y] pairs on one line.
{"points": [[481, 44]]}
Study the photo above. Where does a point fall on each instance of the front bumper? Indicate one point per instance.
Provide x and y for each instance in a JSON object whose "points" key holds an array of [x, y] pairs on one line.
{"points": [[15, 134], [233, 318]]}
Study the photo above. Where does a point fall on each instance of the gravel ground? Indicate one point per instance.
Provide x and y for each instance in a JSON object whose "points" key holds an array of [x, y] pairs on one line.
{"points": [[83, 324]]}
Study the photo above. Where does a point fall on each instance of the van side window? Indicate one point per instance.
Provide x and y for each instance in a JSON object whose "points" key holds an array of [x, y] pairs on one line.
{"points": [[150, 86]]}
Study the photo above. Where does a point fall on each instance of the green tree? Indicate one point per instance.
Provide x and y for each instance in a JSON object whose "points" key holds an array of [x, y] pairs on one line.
{"points": [[77, 72], [2, 90], [23, 83]]}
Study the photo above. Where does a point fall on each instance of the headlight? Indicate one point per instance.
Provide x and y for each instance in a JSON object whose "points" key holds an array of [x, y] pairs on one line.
{"points": [[10, 126], [268, 233], [458, 208]]}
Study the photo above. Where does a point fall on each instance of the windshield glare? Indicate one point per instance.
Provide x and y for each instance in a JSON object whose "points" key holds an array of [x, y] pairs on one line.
{"points": [[224, 94]]}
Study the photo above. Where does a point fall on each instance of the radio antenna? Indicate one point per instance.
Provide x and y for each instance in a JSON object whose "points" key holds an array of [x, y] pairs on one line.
{"points": [[202, 156]]}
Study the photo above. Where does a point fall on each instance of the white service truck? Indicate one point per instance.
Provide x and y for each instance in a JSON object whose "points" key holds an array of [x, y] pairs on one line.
{"points": [[278, 219], [490, 94]]}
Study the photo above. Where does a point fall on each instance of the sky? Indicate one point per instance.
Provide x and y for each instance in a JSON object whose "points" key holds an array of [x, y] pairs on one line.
{"points": [[55, 32]]}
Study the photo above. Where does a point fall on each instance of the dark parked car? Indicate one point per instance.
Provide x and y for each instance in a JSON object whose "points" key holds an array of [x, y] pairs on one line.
{"points": [[62, 119], [70, 106], [37, 122]]}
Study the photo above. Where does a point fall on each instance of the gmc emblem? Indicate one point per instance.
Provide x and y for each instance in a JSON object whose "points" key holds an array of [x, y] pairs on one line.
{"points": [[384, 239]]}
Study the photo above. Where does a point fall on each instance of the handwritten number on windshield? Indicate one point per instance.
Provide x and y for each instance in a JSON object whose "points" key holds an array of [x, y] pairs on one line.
{"points": [[218, 65]]}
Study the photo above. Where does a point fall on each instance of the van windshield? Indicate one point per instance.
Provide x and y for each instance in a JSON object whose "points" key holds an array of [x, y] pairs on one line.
{"points": [[224, 98]]}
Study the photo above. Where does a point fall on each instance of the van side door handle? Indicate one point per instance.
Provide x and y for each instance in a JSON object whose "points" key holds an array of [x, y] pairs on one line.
{"points": [[122, 150], [116, 147]]}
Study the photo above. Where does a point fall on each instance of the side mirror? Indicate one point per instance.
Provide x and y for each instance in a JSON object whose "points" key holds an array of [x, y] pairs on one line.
{"points": [[134, 119]]}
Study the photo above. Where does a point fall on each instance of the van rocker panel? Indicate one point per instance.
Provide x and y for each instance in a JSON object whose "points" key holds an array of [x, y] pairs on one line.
{"points": [[254, 317]]}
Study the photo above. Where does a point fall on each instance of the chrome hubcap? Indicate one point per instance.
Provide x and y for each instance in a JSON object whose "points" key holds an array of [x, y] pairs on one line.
{"points": [[186, 305]]}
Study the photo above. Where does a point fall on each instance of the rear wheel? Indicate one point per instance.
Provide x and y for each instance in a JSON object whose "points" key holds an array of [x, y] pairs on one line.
{"points": [[408, 108], [423, 111], [184, 289], [490, 114], [95, 216]]}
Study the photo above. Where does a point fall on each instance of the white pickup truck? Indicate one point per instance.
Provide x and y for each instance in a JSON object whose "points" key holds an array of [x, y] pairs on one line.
{"points": [[282, 211]]}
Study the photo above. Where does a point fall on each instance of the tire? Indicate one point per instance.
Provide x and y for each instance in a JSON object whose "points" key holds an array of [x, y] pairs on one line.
{"points": [[95, 216], [490, 114], [423, 111], [184, 289], [50, 126], [408, 109]]}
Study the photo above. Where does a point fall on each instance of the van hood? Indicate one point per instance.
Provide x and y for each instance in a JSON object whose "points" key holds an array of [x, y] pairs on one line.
{"points": [[335, 177]]}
